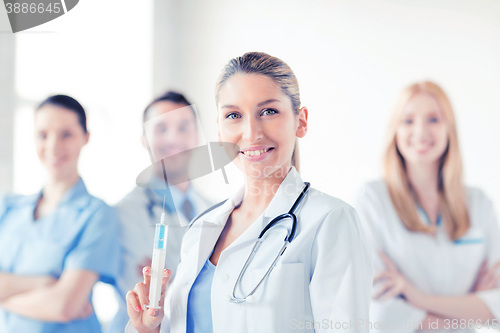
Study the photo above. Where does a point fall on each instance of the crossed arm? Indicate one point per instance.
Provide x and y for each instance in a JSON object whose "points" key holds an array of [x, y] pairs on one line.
{"points": [[467, 307], [47, 299], [12, 284]]}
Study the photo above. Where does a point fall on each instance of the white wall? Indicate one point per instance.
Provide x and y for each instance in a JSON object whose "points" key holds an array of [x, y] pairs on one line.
{"points": [[101, 54], [352, 58], [7, 103]]}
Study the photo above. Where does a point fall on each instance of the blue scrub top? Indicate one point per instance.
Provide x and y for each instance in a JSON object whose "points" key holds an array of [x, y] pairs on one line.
{"points": [[81, 234], [199, 308]]}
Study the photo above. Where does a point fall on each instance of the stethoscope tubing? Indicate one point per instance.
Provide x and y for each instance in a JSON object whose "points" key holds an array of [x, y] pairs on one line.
{"points": [[288, 239], [290, 215]]}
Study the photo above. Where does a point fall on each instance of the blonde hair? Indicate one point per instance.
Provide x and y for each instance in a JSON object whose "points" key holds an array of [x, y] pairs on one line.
{"points": [[272, 67], [452, 194]]}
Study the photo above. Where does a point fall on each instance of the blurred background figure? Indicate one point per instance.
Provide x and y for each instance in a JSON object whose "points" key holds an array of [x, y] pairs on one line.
{"points": [[174, 130], [55, 245], [436, 241]]}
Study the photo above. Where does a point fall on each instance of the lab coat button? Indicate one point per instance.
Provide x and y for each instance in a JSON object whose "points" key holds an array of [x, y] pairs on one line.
{"points": [[223, 277]]}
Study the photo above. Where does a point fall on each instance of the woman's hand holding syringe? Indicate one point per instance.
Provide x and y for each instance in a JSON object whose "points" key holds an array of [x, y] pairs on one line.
{"points": [[145, 318], [145, 303]]}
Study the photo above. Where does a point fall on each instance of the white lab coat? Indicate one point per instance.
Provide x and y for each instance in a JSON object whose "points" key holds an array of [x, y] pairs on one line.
{"points": [[435, 266], [324, 275], [138, 229]]}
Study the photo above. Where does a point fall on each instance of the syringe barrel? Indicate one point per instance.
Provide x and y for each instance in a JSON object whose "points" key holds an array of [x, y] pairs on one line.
{"points": [[157, 265]]}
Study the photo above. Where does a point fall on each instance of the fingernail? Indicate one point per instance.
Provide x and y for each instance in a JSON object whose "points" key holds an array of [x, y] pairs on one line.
{"points": [[145, 269], [138, 308], [152, 312], [168, 271]]}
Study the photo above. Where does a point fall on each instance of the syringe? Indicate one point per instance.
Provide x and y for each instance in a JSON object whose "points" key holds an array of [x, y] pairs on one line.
{"points": [[158, 262]]}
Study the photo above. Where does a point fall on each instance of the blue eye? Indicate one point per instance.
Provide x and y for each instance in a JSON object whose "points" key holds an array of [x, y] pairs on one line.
{"points": [[268, 112], [66, 135], [408, 121], [233, 115], [433, 119]]}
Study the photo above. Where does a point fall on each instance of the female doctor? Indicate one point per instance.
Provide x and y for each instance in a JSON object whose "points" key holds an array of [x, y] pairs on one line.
{"points": [[323, 279], [437, 241]]}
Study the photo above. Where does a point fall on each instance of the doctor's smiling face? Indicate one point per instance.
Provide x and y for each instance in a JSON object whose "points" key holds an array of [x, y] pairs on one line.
{"points": [[422, 135], [255, 114]]}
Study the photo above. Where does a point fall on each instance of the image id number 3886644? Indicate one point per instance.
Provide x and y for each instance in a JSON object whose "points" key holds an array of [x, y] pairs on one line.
{"points": [[33, 8], [455, 324]]}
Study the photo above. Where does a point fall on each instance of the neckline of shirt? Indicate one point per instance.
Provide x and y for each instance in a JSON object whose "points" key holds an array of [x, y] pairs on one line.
{"points": [[423, 214]]}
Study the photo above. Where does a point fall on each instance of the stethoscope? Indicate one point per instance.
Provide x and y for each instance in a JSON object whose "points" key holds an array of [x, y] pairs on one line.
{"points": [[288, 239]]}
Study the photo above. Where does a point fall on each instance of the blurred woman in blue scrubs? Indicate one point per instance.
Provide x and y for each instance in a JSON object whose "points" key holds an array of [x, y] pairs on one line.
{"points": [[55, 245], [437, 241]]}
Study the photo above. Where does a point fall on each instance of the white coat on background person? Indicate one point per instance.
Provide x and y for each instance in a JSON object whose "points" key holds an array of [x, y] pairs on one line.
{"points": [[322, 281], [438, 266], [171, 129], [435, 240]]}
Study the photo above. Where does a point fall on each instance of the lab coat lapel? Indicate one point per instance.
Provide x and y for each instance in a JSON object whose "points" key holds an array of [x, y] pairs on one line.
{"points": [[202, 236], [208, 232]]}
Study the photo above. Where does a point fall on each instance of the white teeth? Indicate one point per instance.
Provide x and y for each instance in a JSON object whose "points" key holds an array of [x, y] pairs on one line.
{"points": [[255, 152]]}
